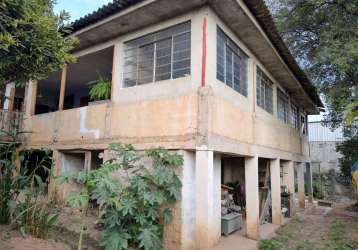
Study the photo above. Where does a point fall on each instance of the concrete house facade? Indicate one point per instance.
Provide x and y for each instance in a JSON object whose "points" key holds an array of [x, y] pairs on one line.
{"points": [[210, 79]]}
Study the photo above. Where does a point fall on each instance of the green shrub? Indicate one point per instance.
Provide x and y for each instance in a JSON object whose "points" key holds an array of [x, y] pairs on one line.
{"points": [[134, 207], [100, 89]]}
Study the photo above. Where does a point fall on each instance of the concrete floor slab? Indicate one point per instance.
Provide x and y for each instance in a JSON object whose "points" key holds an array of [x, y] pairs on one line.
{"points": [[238, 239]]}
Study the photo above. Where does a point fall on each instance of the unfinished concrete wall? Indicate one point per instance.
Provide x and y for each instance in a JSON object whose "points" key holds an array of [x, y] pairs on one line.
{"points": [[233, 169], [70, 162], [236, 119], [324, 156], [166, 113]]}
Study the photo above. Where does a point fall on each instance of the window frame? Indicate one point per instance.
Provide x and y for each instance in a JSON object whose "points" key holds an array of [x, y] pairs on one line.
{"points": [[262, 85], [283, 97], [304, 122], [236, 54], [154, 39], [294, 116]]}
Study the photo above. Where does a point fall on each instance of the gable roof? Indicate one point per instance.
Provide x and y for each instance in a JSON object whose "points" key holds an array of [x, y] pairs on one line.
{"points": [[257, 8]]}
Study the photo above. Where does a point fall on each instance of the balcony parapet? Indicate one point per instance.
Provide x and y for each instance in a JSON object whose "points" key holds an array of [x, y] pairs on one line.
{"points": [[10, 124]]}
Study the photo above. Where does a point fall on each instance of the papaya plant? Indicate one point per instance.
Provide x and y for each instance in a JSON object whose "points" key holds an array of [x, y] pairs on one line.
{"points": [[134, 206]]}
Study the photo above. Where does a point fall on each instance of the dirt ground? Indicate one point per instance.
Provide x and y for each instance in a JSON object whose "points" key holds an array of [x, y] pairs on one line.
{"points": [[64, 236], [314, 228], [317, 228], [12, 240]]}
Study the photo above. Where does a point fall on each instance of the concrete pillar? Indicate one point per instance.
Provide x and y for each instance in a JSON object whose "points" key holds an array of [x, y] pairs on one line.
{"points": [[187, 202], [207, 185], [308, 180], [9, 96], [117, 81], [217, 198], [275, 191], [30, 98], [301, 184], [88, 161], [252, 197], [53, 190], [289, 181]]}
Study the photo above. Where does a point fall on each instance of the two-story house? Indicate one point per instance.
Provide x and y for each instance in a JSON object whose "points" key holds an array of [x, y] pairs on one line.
{"points": [[211, 79]]}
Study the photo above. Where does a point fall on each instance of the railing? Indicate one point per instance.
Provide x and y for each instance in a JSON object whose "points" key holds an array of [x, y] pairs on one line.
{"points": [[10, 123]]}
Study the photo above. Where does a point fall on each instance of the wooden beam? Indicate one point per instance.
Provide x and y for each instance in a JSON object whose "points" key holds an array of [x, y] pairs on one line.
{"points": [[9, 96], [30, 98], [63, 87]]}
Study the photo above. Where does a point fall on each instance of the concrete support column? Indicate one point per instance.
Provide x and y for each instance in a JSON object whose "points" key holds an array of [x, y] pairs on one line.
{"points": [[117, 81], [88, 161], [308, 180], [53, 190], [252, 197], [30, 98], [301, 184], [289, 181], [9, 96], [207, 199], [275, 191]]}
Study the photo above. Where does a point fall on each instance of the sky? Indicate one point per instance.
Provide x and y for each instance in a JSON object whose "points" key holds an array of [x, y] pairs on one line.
{"points": [[79, 8]]}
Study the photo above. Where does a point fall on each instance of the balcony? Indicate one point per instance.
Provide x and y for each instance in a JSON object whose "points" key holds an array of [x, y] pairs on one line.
{"points": [[10, 124]]}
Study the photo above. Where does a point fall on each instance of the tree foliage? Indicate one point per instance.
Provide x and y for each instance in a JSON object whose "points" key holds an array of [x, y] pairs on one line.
{"points": [[32, 41], [349, 149], [323, 36], [135, 204]]}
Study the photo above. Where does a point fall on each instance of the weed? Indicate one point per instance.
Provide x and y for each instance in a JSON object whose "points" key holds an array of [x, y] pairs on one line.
{"points": [[337, 236], [271, 244]]}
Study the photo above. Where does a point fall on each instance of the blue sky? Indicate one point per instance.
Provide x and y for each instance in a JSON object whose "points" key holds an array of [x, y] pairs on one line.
{"points": [[79, 8]]}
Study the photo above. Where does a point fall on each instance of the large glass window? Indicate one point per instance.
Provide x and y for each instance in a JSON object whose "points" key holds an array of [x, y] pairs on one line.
{"points": [[231, 63], [294, 116], [158, 56], [282, 106], [264, 91]]}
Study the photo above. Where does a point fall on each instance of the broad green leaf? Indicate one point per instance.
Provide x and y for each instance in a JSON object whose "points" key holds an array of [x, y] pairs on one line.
{"points": [[149, 238], [114, 239], [167, 215]]}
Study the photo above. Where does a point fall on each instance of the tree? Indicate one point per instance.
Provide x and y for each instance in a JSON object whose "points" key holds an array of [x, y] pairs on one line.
{"points": [[323, 36], [33, 41]]}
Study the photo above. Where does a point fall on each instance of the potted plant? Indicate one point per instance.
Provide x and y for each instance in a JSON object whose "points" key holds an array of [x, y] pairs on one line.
{"points": [[100, 90]]}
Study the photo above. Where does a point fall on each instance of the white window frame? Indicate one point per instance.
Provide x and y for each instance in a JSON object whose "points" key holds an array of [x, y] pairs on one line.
{"points": [[235, 51], [155, 42], [263, 82]]}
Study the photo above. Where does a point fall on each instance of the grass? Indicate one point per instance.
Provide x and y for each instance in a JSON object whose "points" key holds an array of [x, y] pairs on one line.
{"points": [[337, 240], [287, 238]]}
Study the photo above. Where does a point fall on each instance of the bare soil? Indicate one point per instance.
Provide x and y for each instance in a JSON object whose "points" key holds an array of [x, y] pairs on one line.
{"points": [[12, 240], [318, 228], [64, 236]]}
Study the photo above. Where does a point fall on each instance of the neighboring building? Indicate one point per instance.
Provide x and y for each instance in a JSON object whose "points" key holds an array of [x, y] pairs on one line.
{"points": [[323, 142], [212, 80]]}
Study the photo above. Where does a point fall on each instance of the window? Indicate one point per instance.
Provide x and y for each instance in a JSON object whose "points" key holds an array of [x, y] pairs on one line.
{"points": [[304, 130], [231, 63], [294, 116], [263, 91], [158, 56], [282, 106]]}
